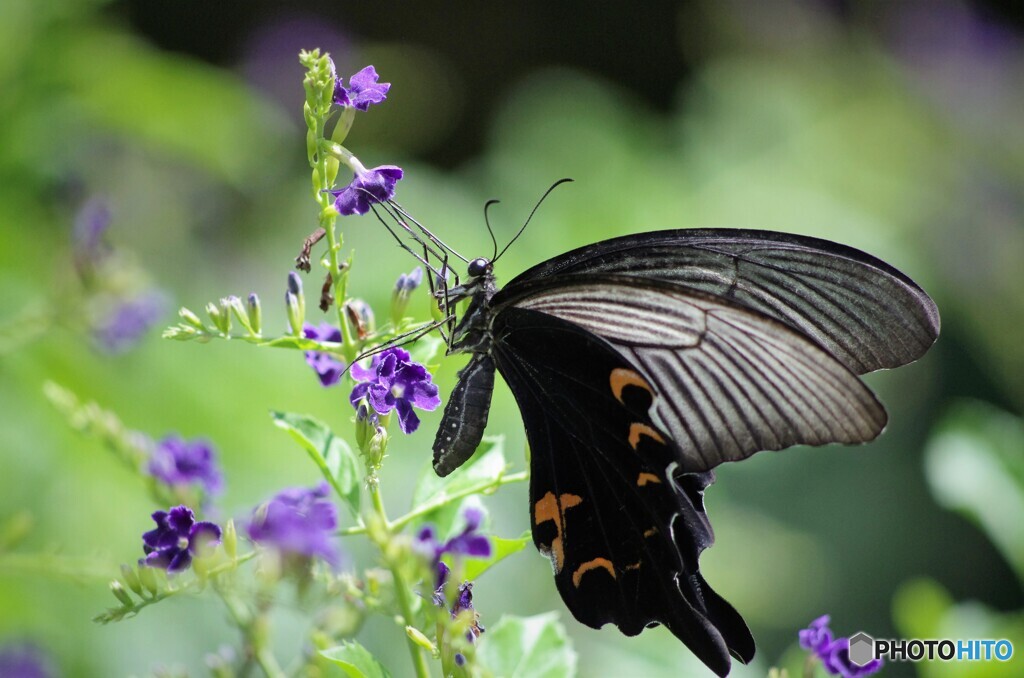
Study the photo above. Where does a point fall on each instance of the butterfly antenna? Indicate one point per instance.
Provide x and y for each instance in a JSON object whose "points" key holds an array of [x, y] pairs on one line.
{"points": [[425, 231], [532, 212], [487, 221], [426, 248]]}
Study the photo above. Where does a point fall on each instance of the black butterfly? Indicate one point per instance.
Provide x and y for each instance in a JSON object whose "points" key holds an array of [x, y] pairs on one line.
{"points": [[639, 364]]}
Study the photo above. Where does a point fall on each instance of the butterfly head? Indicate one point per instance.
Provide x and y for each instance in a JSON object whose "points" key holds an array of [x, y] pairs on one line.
{"points": [[480, 267]]}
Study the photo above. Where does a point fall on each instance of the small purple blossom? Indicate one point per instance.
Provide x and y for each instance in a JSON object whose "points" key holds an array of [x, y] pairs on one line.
{"points": [[367, 186], [407, 282], [176, 539], [834, 653], [25, 660], [469, 542], [129, 320], [363, 89], [299, 521], [394, 382], [177, 461], [327, 367]]}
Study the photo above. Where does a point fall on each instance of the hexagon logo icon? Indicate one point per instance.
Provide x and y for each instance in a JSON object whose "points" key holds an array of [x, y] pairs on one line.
{"points": [[862, 648]]}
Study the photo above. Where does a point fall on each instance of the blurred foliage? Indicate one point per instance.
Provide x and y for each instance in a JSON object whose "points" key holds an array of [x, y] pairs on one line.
{"points": [[903, 139]]}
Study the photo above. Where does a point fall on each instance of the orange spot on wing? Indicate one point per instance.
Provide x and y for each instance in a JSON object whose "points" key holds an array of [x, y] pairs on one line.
{"points": [[621, 378], [591, 565], [549, 508], [636, 430], [645, 478], [634, 566], [651, 532]]}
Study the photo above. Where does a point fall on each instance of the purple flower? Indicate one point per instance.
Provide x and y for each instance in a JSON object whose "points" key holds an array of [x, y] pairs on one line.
{"points": [[368, 185], [394, 382], [177, 461], [469, 542], [299, 521], [176, 539], [25, 660], [363, 89], [129, 321], [833, 653], [327, 367], [817, 637]]}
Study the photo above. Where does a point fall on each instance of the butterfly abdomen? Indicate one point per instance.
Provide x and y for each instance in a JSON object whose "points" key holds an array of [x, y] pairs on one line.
{"points": [[465, 415]]}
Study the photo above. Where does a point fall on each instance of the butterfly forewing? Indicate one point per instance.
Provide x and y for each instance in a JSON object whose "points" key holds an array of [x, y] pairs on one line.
{"points": [[863, 311], [622, 527], [730, 381]]}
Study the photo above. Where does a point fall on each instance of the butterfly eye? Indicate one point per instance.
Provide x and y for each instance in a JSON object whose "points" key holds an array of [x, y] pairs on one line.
{"points": [[478, 267]]}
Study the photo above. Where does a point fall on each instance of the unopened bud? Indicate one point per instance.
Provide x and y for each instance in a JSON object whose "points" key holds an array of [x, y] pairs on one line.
{"points": [[416, 636], [147, 577], [296, 303], [190, 318], [219, 316], [404, 287], [230, 539], [237, 308], [131, 578], [255, 313], [121, 594]]}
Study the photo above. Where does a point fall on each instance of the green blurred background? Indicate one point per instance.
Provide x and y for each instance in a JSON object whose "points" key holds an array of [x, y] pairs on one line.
{"points": [[894, 127]]}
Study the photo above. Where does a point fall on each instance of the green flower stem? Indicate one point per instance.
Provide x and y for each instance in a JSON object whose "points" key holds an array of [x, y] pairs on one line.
{"points": [[328, 219], [483, 487], [25, 326], [419, 660], [248, 625]]}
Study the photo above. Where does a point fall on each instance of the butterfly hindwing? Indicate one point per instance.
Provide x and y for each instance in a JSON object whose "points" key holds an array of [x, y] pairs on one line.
{"points": [[860, 309], [732, 380], [622, 526]]}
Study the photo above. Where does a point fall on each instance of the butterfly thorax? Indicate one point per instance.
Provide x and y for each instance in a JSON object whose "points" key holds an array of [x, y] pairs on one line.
{"points": [[472, 333]]}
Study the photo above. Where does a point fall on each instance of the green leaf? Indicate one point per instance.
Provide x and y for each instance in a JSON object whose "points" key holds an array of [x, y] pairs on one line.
{"points": [[501, 549], [485, 467], [522, 647], [974, 465], [355, 660], [332, 455], [301, 343]]}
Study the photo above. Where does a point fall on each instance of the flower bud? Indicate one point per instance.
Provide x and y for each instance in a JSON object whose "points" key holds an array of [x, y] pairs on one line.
{"points": [[147, 577], [416, 636], [237, 308], [404, 287], [255, 313], [190, 318], [220, 317], [230, 539], [131, 578], [377, 448], [296, 302], [121, 594]]}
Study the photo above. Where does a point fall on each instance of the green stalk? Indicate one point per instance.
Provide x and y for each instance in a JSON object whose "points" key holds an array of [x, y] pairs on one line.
{"points": [[419, 661]]}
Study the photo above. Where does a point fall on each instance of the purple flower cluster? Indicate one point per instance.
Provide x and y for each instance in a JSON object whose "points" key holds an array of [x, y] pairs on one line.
{"points": [[834, 653], [24, 660], [326, 366], [177, 539], [469, 542], [394, 382], [177, 461], [368, 185], [298, 521]]}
